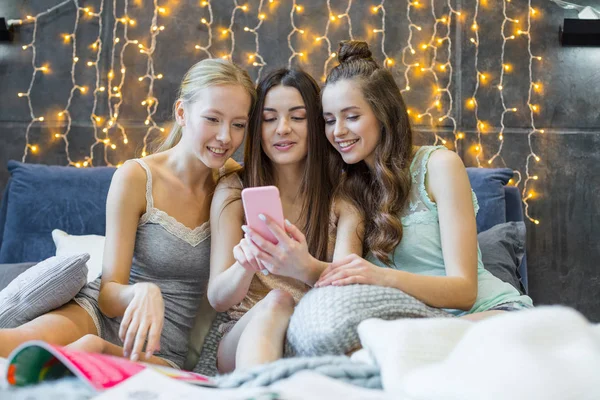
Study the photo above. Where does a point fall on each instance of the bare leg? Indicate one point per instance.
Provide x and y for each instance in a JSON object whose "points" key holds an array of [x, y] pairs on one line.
{"points": [[95, 344], [258, 337], [60, 327], [475, 317]]}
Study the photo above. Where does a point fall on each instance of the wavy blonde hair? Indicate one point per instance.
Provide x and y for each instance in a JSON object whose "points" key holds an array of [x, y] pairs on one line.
{"points": [[203, 74]]}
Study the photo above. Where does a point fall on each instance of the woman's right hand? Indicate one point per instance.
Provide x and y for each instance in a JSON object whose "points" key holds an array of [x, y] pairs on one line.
{"points": [[244, 255], [143, 319]]}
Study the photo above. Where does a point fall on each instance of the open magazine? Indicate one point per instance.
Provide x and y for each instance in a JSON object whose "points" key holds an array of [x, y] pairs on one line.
{"points": [[38, 361]]}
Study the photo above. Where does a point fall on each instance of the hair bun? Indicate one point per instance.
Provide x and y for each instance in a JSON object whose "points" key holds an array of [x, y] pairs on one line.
{"points": [[350, 50]]}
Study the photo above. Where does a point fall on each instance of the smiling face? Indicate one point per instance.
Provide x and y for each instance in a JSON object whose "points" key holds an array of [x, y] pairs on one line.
{"points": [[214, 124], [284, 130], [350, 124]]}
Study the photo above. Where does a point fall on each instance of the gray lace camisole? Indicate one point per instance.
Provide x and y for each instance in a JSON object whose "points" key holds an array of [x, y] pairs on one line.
{"points": [[176, 259]]}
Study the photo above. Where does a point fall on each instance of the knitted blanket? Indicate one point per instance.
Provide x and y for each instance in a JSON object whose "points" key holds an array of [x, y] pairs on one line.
{"points": [[338, 367], [325, 321]]}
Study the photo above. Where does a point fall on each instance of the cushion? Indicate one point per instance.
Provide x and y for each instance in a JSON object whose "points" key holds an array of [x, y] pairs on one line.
{"points": [[488, 185], [8, 272], [69, 245], [42, 288], [42, 198], [502, 250], [325, 320]]}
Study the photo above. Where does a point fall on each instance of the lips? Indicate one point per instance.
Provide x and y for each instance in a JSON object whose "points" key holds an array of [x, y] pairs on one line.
{"points": [[284, 145], [217, 151], [346, 145]]}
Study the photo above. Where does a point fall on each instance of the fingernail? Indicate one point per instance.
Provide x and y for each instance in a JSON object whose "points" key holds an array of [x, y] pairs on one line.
{"points": [[288, 223], [125, 353], [245, 228], [262, 217], [265, 272], [134, 357], [148, 355]]}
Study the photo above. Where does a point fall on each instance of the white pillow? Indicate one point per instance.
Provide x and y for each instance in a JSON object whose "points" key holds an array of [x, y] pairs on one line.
{"points": [[68, 245]]}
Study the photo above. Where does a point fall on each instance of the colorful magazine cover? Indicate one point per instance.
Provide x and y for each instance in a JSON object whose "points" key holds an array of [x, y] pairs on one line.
{"points": [[38, 361]]}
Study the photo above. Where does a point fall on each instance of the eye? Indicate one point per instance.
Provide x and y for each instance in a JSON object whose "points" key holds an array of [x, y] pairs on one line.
{"points": [[240, 126], [329, 121], [269, 119], [298, 118], [353, 117], [211, 119]]}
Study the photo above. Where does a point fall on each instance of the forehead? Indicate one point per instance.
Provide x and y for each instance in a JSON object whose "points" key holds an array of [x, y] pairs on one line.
{"points": [[283, 97], [342, 94], [228, 99]]}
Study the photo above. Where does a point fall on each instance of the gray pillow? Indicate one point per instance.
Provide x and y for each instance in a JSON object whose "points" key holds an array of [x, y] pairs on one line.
{"points": [[8, 272], [42, 288], [502, 250], [325, 320]]}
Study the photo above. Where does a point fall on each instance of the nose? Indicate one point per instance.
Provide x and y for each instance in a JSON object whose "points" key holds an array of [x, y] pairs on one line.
{"points": [[224, 135], [283, 127], [339, 130]]}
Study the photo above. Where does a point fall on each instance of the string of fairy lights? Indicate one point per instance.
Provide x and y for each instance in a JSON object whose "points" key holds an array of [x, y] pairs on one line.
{"points": [[426, 56]]}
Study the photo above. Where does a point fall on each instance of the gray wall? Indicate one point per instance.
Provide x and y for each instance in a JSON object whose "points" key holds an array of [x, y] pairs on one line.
{"points": [[562, 250]]}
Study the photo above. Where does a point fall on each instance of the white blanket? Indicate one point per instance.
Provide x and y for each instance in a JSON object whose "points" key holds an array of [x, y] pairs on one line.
{"points": [[544, 353], [304, 385]]}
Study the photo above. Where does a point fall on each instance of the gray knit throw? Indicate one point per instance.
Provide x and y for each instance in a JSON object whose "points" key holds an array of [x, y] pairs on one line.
{"points": [[325, 321], [338, 367]]}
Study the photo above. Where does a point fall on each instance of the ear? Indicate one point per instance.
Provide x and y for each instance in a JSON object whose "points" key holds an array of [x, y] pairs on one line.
{"points": [[179, 113]]}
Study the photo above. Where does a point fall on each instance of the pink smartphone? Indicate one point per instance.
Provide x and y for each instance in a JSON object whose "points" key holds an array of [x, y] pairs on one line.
{"points": [[262, 200]]}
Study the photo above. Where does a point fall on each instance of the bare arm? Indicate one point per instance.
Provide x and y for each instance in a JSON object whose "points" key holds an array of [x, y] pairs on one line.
{"points": [[449, 187], [350, 231], [124, 205], [229, 280]]}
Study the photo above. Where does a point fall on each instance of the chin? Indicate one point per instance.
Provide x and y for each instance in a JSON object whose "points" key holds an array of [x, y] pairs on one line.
{"points": [[286, 159], [352, 158], [211, 162]]}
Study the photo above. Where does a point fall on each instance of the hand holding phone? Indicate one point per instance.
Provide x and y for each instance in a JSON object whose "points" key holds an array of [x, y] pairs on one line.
{"points": [[263, 200]]}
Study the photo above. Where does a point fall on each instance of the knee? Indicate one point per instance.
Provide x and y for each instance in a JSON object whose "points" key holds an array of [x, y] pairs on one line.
{"points": [[279, 300], [88, 343]]}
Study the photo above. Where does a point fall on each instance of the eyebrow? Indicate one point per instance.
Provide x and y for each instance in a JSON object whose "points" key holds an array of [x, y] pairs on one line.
{"points": [[345, 109], [291, 109], [215, 111]]}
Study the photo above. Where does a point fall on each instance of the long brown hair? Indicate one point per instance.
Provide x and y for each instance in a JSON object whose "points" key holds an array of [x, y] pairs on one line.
{"points": [[317, 182], [382, 193]]}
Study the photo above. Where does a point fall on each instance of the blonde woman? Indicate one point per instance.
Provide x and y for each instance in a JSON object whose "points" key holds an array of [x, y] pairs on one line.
{"points": [[156, 255]]}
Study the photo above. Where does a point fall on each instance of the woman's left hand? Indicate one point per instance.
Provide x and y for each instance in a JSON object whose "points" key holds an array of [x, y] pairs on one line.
{"points": [[289, 257], [350, 270]]}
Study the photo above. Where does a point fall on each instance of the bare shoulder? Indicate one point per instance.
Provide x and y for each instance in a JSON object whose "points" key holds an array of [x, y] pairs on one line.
{"points": [[342, 206], [229, 183], [442, 159], [444, 162], [446, 175], [130, 176], [227, 193], [128, 188]]}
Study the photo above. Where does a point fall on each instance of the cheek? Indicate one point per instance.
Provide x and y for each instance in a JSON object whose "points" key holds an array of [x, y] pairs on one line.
{"points": [[303, 131], [329, 133], [266, 132], [238, 138]]}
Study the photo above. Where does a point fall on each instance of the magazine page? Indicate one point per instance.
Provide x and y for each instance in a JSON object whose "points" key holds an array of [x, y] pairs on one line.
{"points": [[37, 361]]}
